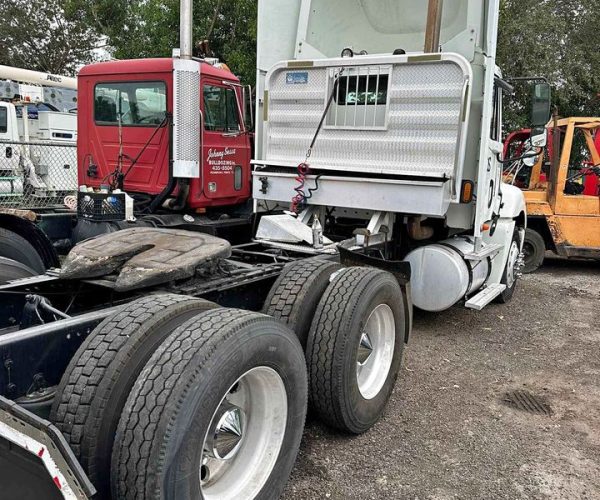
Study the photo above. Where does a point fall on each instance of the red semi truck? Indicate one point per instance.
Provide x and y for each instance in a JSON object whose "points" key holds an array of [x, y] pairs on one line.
{"points": [[136, 134], [124, 119]]}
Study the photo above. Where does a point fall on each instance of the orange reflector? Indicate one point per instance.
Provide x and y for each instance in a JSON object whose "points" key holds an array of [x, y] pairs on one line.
{"points": [[486, 227], [466, 192], [201, 210]]}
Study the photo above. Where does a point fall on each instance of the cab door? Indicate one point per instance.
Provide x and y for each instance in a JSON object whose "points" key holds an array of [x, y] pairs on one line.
{"points": [[9, 141], [576, 219], [226, 146]]}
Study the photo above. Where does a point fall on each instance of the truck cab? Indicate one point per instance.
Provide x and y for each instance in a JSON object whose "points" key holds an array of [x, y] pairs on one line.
{"points": [[390, 113], [127, 123], [9, 133]]}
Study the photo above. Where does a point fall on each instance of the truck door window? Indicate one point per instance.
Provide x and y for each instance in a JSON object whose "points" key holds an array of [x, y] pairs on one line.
{"points": [[220, 109], [3, 120], [138, 103], [496, 127]]}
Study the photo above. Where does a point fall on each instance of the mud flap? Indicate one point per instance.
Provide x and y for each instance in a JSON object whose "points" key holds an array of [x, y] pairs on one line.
{"points": [[35, 460]]}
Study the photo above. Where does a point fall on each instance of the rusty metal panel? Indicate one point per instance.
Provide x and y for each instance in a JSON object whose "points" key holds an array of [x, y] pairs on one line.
{"points": [[577, 205], [575, 231], [535, 207]]}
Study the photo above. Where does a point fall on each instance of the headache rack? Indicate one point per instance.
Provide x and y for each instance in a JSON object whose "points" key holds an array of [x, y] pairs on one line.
{"points": [[393, 137]]}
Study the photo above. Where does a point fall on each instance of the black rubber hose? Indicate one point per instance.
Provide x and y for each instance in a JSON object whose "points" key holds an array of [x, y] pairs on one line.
{"points": [[184, 190], [166, 192]]}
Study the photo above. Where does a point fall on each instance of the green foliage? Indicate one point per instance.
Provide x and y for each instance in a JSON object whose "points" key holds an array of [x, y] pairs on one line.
{"points": [[551, 38], [40, 35], [554, 39], [150, 28]]}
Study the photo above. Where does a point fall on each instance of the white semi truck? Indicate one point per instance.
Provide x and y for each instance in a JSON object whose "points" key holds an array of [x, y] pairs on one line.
{"points": [[361, 123], [38, 134], [164, 363]]}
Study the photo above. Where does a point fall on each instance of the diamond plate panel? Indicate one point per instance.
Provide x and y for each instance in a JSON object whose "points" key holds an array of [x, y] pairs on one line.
{"points": [[421, 136], [186, 123]]}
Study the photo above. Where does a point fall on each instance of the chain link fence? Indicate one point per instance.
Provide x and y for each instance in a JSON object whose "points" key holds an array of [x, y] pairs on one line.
{"points": [[37, 174]]}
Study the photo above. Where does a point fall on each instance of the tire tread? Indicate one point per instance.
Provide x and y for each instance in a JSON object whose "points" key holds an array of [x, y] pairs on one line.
{"points": [[155, 386], [328, 328], [294, 296], [93, 363]]}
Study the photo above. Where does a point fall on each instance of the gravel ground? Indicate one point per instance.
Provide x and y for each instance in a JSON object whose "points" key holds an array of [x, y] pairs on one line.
{"points": [[447, 433]]}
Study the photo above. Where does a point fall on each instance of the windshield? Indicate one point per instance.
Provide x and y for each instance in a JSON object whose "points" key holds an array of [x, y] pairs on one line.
{"points": [[33, 109], [131, 103]]}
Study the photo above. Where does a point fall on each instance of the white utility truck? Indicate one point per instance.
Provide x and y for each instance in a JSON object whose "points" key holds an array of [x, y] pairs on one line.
{"points": [[390, 114], [172, 364], [38, 135]]}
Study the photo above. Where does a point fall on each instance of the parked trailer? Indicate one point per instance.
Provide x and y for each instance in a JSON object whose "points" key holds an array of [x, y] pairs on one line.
{"points": [[147, 353]]}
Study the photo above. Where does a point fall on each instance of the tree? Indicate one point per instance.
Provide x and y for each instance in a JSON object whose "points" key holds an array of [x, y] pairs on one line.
{"points": [[554, 39], [41, 35], [150, 28]]}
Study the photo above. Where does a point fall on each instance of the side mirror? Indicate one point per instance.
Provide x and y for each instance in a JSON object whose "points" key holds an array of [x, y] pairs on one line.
{"points": [[541, 102], [248, 108], [540, 105]]}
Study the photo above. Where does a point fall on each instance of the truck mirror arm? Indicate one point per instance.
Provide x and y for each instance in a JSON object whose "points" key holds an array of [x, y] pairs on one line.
{"points": [[518, 158]]}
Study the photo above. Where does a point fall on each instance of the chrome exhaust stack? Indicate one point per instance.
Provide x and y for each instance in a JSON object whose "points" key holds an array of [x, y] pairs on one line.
{"points": [[187, 123], [186, 21]]}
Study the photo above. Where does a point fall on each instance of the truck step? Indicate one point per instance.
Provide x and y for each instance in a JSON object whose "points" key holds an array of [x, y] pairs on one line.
{"points": [[483, 298], [484, 253]]}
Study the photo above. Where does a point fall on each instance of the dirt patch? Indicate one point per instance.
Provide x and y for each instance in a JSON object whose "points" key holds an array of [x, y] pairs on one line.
{"points": [[447, 433]]}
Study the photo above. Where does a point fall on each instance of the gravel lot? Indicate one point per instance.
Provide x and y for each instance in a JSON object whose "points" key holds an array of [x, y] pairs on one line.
{"points": [[447, 432]]}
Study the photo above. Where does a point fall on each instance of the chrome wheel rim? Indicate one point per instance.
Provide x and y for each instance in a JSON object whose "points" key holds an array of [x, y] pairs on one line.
{"points": [[244, 437], [375, 351], [511, 265]]}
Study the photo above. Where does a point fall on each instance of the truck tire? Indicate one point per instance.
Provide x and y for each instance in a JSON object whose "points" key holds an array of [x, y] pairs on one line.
{"points": [[354, 348], [534, 248], [95, 386], [294, 296], [217, 412], [15, 247], [11, 270], [509, 276]]}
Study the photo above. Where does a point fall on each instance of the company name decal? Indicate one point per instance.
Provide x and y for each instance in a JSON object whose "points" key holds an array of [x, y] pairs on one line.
{"points": [[53, 78], [215, 154], [218, 161]]}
